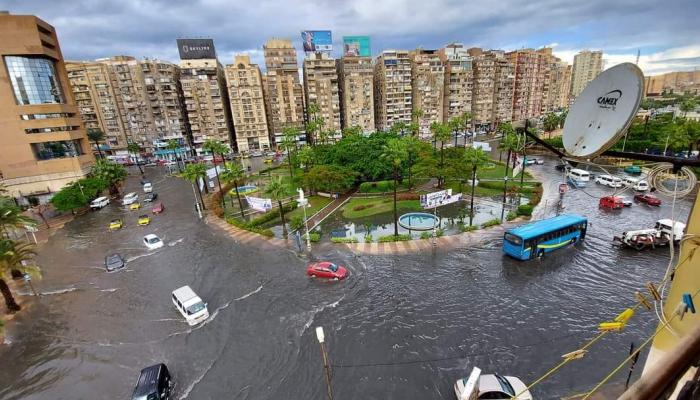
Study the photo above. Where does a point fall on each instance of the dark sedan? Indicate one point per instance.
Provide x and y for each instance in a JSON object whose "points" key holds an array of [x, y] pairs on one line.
{"points": [[150, 197]]}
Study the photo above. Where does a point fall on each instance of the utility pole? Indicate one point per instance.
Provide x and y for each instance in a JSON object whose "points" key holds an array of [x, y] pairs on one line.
{"points": [[326, 366]]}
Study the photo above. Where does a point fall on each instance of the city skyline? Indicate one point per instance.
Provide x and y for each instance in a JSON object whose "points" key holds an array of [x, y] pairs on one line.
{"points": [[151, 30]]}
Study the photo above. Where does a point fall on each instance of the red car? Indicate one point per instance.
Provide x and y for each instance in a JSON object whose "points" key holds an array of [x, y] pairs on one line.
{"points": [[647, 198], [158, 208], [613, 202], [326, 269]]}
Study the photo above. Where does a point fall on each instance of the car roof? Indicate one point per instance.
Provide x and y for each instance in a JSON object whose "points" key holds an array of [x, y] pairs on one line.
{"points": [[490, 383], [130, 194], [148, 380], [151, 236], [101, 198], [184, 293]]}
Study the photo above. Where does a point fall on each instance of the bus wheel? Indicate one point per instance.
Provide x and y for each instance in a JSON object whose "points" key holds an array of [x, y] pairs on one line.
{"points": [[573, 241], [540, 253]]}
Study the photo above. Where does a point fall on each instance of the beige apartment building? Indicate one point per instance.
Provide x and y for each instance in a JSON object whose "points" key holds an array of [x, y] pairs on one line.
{"points": [[494, 77], [283, 92], [245, 86], [206, 102], [428, 83], [687, 82], [321, 88], [457, 94], [558, 87], [587, 65], [356, 85], [393, 93], [530, 85], [44, 146]]}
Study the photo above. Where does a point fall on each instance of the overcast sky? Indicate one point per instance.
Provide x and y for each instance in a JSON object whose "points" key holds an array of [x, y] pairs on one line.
{"points": [[666, 32]]}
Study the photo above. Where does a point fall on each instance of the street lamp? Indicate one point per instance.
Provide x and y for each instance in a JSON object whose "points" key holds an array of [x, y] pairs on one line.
{"points": [[303, 202], [321, 340]]}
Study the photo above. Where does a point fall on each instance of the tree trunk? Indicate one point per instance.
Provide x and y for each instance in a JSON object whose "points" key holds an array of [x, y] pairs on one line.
{"points": [[505, 186], [441, 180], [43, 218], [240, 203], [396, 217], [216, 169], [196, 184], [138, 164], [284, 223], [289, 159], [10, 303], [410, 163], [99, 151], [471, 207]]}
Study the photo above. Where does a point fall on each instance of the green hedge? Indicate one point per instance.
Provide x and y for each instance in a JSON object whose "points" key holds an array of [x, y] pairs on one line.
{"points": [[247, 226], [511, 215], [314, 237], [272, 214], [391, 238], [491, 222], [379, 187], [344, 240], [524, 209], [468, 228]]}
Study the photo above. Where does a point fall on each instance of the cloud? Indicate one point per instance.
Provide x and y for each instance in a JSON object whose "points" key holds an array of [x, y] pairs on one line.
{"points": [[90, 29]]}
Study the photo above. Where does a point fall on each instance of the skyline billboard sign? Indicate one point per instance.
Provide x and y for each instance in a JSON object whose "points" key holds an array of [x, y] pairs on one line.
{"points": [[194, 49], [356, 46], [317, 41], [440, 198]]}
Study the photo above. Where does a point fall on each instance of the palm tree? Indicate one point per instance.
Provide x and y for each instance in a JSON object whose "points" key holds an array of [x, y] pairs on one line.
{"points": [[511, 143], [305, 156], [174, 145], [442, 133], [11, 216], [412, 145], [688, 105], [14, 256], [97, 136], [192, 173], [135, 149], [416, 115], [550, 123], [110, 172], [474, 158], [289, 143], [466, 119], [216, 147], [279, 190], [315, 123], [395, 153], [233, 173]]}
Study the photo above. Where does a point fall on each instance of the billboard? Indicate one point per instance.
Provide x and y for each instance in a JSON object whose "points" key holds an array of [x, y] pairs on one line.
{"points": [[440, 198], [315, 41], [259, 204], [356, 46], [193, 49]]}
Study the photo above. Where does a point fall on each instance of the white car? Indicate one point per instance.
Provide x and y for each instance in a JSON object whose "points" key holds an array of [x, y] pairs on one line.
{"points": [[152, 242], [130, 198], [491, 387], [99, 203], [147, 187], [608, 180], [190, 305]]}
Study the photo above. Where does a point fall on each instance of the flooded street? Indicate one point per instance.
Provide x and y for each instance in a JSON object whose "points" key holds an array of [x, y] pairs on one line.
{"points": [[400, 327]]}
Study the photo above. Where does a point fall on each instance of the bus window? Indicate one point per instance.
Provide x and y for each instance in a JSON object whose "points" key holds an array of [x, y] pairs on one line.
{"points": [[513, 239]]}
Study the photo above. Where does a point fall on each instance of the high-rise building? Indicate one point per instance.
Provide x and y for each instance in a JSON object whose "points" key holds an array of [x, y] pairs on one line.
{"points": [[247, 104], [587, 65], [321, 89], [532, 70], [458, 80], [205, 96], [356, 83], [428, 83], [43, 145], [393, 94], [687, 82], [492, 96], [558, 85], [284, 95]]}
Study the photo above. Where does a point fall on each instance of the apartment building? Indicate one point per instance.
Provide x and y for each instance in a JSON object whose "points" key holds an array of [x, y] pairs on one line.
{"points": [[245, 89], [558, 87], [494, 77], [321, 89], [587, 65], [686, 82], [44, 146], [530, 86], [356, 85], [457, 94], [283, 92], [393, 92], [428, 87]]}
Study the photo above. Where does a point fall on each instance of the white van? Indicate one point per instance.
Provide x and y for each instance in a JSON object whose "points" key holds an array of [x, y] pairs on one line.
{"points": [[579, 177], [190, 305], [637, 184], [99, 203], [147, 187], [130, 198], [608, 180]]}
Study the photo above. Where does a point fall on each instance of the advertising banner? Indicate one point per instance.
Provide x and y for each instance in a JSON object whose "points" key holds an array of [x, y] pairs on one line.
{"points": [[259, 204], [317, 41], [354, 46], [441, 198], [193, 49]]}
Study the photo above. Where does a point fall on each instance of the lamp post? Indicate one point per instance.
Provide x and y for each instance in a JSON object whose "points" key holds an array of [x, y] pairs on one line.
{"points": [[321, 340], [303, 202]]}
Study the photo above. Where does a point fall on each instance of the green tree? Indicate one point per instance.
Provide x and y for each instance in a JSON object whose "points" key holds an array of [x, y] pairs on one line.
{"points": [[233, 173], [329, 178], [109, 172], [352, 130], [192, 173], [289, 143], [413, 144], [96, 136], [441, 133], [474, 158], [135, 149], [11, 216], [399, 128], [174, 146], [215, 147], [69, 198], [688, 105], [315, 124], [305, 157], [278, 191], [395, 153], [550, 123], [15, 256]]}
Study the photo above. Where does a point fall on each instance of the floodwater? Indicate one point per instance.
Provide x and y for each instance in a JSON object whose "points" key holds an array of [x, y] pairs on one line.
{"points": [[400, 327]]}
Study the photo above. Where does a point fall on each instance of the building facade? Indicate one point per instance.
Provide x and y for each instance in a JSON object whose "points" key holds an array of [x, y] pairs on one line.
{"points": [[558, 88], [245, 86], [393, 93], [457, 93], [428, 87], [587, 65], [492, 99], [284, 95], [356, 85], [687, 82], [531, 81], [206, 102], [44, 145], [321, 89]]}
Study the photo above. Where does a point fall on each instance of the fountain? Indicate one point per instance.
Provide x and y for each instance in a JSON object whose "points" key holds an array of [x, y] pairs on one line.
{"points": [[418, 221]]}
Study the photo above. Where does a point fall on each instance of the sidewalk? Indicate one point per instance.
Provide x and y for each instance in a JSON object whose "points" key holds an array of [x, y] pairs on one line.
{"points": [[317, 218]]}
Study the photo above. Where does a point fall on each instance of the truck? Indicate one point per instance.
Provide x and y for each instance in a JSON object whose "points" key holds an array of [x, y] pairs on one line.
{"points": [[660, 235]]}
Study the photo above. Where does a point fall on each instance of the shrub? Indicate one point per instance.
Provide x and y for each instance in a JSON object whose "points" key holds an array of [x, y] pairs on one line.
{"points": [[491, 222], [511, 215], [525, 209], [440, 232], [296, 223], [468, 228], [344, 240], [368, 238], [391, 238], [247, 226], [272, 214], [377, 187], [361, 207], [314, 236], [407, 196], [426, 235]]}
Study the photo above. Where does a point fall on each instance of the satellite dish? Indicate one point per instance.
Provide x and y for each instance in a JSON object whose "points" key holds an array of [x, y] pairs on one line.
{"points": [[603, 111]]}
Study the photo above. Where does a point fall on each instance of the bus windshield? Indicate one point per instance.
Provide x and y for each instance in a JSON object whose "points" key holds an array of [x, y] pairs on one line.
{"points": [[516, 240]]}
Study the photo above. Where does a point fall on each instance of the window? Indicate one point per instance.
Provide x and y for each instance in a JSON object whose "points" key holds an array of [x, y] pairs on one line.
{"points": [[513, 239], [51, 129], [34, 80], [58, 149], [28, 117]]}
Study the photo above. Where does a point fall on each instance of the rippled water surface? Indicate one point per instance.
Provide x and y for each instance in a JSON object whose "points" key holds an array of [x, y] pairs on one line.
{"points": [[400, 327]]}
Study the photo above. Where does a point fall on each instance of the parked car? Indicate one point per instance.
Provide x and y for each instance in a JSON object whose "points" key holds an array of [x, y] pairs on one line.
{"points": [[633, 170], [115, 224], [147, 187], [149, 197], [648, 199], [190, 305], [152, 242], [134, 206], [99, 202], [637, 184], [612, 202], [158, 208], [626, 201], [609, 180], [144, 220], [130, 198], [154, 384], [256, 153], [326, 269], [114, 262], [491, 387]]}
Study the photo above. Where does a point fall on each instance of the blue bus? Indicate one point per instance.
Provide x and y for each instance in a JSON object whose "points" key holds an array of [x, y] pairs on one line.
{"points": [[537, 238]]}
